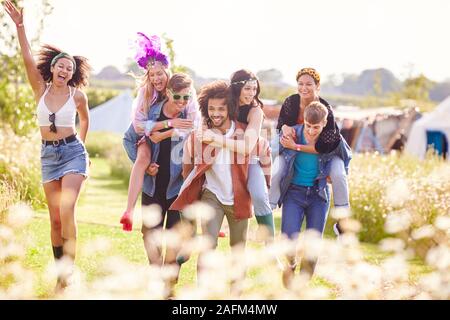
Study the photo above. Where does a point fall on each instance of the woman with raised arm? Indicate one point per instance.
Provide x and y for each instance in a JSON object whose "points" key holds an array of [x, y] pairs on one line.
{"points": [[56, 80]]}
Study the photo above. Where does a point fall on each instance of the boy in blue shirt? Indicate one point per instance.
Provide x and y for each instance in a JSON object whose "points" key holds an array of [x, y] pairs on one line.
{"points": [[303, 188]]}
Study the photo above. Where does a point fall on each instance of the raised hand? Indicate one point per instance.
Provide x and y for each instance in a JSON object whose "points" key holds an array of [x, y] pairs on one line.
{"points": [[34, 76], [13, 12]]}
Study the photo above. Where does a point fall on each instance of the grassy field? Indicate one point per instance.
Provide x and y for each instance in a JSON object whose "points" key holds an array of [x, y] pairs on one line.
{"points": [[101, 204]]}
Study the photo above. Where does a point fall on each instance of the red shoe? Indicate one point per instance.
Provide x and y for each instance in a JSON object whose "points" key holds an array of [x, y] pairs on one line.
{"points": [[127, 221]]}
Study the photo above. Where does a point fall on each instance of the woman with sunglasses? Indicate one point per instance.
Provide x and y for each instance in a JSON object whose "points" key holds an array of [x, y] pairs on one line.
{"points": [[152, 90], [244, 99], [56, 80]]}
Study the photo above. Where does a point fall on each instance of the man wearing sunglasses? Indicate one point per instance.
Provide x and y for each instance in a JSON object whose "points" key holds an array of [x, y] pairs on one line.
{"points": [[163, 184], [177, 96]]}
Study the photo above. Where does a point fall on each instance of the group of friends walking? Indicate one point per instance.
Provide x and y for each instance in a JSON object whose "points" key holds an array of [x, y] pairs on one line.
{"points": [[188, 147]]}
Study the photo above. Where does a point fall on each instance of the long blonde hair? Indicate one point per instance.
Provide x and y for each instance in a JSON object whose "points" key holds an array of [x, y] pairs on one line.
{"points": [[149, 91]]}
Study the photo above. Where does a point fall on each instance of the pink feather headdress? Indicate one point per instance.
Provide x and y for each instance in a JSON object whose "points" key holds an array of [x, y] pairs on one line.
{"points": [[148, 50]]}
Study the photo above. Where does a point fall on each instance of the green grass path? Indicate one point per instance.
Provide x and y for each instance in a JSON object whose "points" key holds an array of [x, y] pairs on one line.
{"points": [[101, 204]]}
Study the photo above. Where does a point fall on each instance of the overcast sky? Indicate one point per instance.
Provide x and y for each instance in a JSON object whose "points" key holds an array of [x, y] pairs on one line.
{"points": [[215, 38]]}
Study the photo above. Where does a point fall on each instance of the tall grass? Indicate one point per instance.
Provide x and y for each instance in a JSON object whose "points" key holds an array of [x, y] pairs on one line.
{"points": [[20, 175], [389, 187], [343, 271], [400, 202]]}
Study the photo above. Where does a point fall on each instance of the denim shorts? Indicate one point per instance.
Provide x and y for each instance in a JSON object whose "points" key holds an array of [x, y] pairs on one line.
{"points": [[130, 142], [58, 161]]}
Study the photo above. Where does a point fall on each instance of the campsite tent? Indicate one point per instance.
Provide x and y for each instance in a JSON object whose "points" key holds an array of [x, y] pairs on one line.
{"points": [[114, 115], [435, 124], [374, 129]]}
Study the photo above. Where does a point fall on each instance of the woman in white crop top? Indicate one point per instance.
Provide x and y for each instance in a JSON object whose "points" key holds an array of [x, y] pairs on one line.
{"points": [[56, 81]]}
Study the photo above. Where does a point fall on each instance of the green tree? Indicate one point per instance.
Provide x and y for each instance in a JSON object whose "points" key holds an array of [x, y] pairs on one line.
{"points": [[97, 96], [133, 68], [417, 88], [377, 83], [171, 52], [16, 97]]}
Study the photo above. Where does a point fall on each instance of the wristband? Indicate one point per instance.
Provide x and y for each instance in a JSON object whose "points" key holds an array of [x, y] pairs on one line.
{"points": [[20, 25], [148, 127], [169, 123], [298, 147], [165, 123]]}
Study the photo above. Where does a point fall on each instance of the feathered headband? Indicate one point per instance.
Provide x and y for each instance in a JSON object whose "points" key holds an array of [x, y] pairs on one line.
{"points": [[148, 50]]}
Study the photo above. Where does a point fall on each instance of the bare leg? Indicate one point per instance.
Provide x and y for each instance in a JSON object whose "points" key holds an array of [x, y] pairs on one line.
{"points": [[53, 195], [152, 247], [70, 191], [289, 271], [135, 185]]}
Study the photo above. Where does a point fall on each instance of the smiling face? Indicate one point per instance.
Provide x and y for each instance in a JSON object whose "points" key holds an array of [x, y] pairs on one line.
{"points": [[179, 99], [218, 113], [312, 131], [62, 71], [248, 92], [158, 77], [307, 88]]}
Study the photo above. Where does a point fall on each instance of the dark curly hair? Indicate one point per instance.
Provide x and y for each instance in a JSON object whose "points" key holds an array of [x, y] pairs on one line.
{"points": [[215, 90], [82, 69], [238, 81]]}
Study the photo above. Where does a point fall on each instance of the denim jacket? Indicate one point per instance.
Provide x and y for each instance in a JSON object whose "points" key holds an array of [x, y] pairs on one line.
{"points": [[176, 156], [343, 151]]}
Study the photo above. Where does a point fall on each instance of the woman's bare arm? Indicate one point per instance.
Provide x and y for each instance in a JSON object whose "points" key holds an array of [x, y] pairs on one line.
{"points": [[34, 76]]}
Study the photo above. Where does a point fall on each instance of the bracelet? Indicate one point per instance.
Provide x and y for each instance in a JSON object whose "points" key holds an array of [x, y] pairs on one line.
{"points": [[298, 147], [166, 125], [20, 25], [169, 123]]}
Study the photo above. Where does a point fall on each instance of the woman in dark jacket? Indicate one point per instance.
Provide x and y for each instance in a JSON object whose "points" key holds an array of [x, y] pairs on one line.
{"points": [[292, 110]]}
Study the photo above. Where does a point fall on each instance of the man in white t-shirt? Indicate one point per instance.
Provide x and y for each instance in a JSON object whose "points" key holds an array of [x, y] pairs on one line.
{"points": [[217, 176]]}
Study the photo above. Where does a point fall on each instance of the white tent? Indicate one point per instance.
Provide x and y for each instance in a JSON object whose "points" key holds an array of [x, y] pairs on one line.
{"points": [[437, 120], [114, 115]]}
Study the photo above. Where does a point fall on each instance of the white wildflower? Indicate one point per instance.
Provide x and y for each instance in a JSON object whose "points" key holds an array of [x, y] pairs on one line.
{"points": [[392, 244], [151, 215], [397, 192], [397, 221], [443, 223], [19, 215], [423, 232], [439, 257]]}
